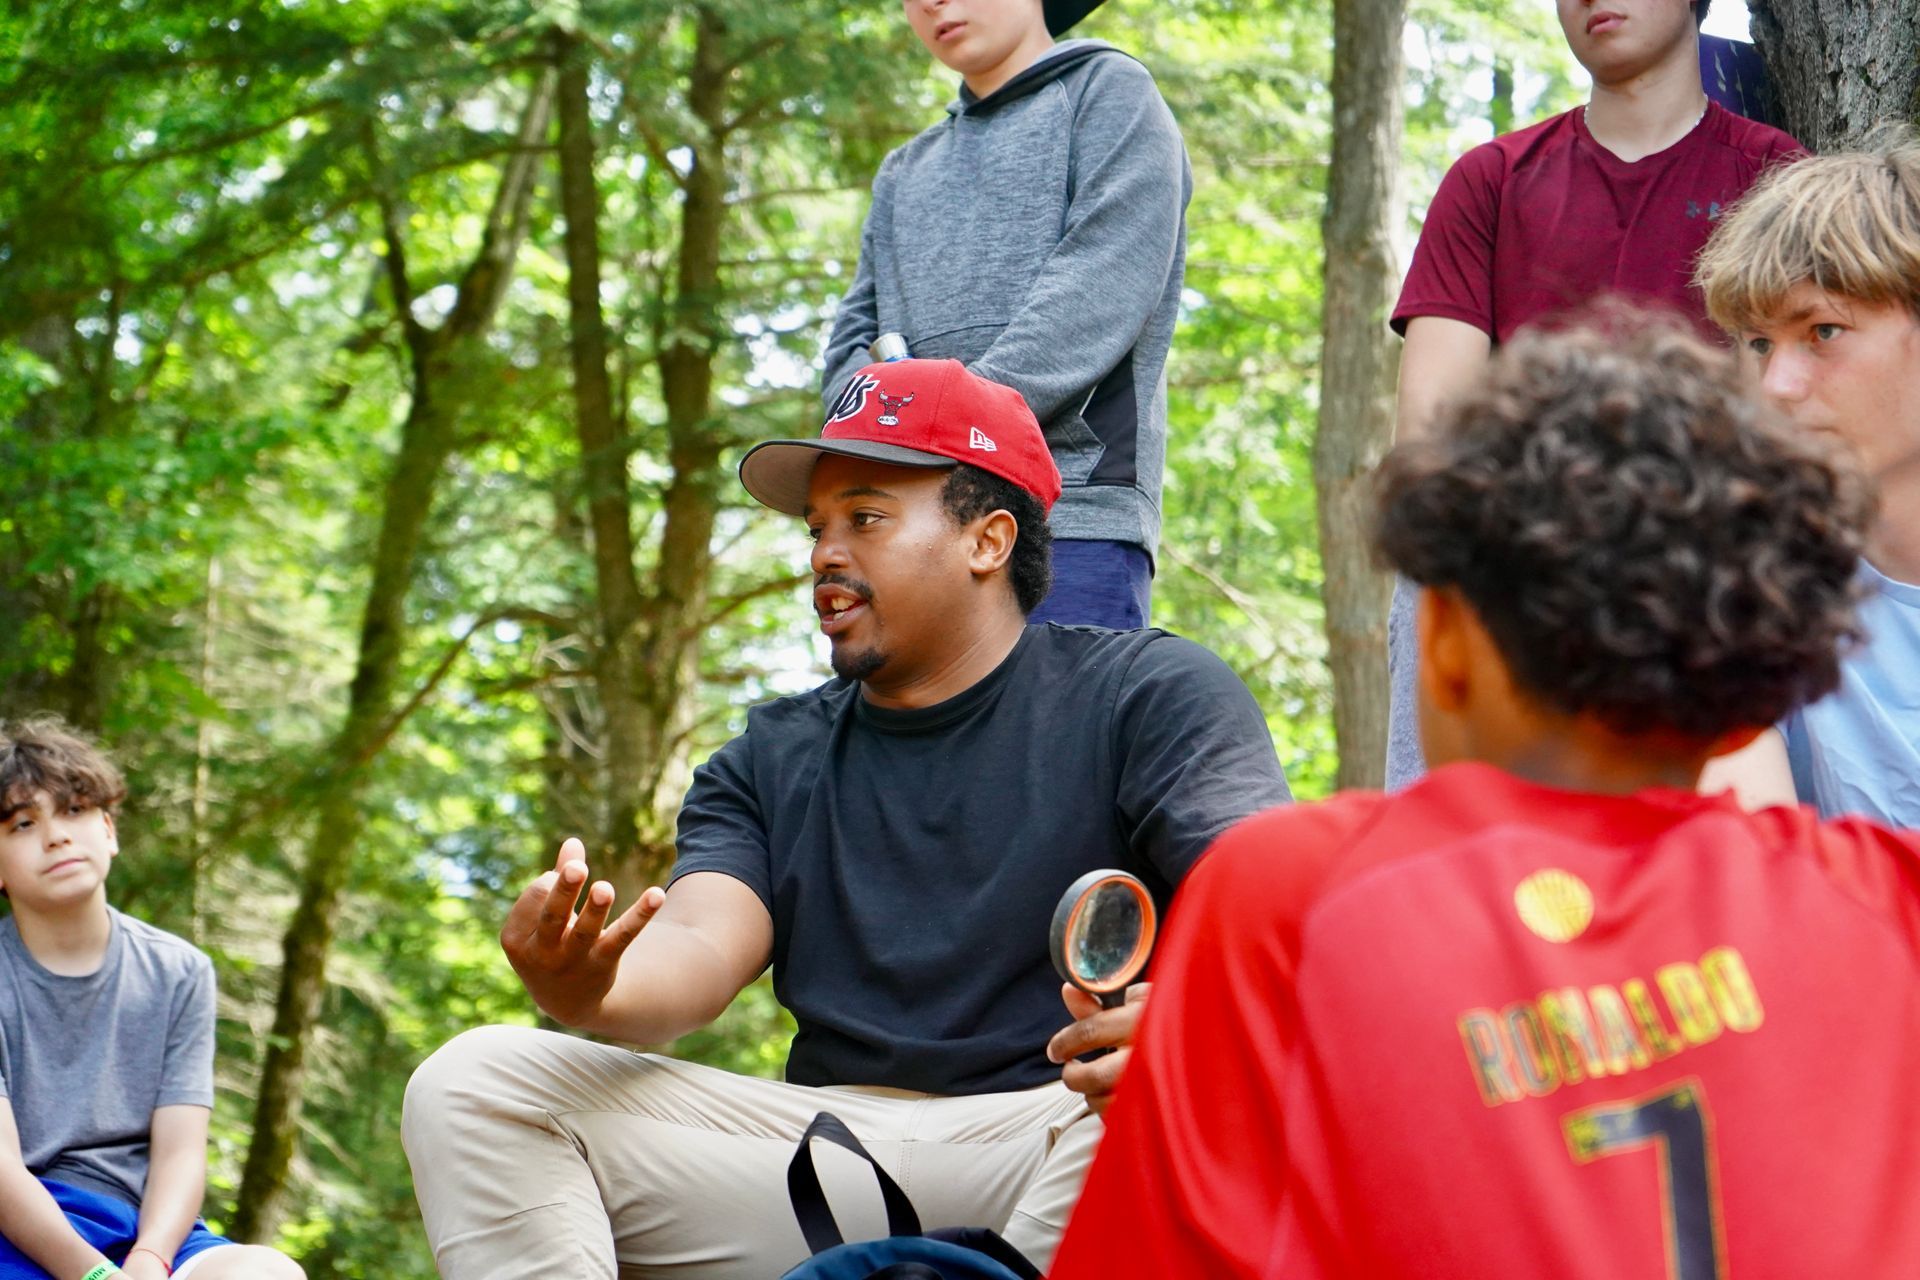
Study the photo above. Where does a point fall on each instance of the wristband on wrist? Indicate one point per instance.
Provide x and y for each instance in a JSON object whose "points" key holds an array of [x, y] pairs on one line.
{"points": [[101, 1272], [154, 1254]]}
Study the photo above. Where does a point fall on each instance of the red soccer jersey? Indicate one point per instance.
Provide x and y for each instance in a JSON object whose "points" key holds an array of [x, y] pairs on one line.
{"points": [[1543, 219], [1490, 1028]]}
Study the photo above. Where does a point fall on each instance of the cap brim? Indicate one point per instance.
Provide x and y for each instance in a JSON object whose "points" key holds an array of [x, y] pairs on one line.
{"points": [[777, 472], [1062, 14]]}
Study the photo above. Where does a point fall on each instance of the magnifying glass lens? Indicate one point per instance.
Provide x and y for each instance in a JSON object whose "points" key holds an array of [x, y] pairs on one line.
{"points": [[1102, 933], [1108, 934]]}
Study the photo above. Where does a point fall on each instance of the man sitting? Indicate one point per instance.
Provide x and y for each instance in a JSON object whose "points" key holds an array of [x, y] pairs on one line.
{"points": [[1549, 1012], [893, 843]]}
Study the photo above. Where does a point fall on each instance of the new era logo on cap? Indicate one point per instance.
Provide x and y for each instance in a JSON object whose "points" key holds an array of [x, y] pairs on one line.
{"points": [[954, 416]]}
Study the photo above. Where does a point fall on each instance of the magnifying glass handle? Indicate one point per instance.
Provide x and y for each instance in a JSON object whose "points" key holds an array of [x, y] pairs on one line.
{"points": [[1113, 999]]}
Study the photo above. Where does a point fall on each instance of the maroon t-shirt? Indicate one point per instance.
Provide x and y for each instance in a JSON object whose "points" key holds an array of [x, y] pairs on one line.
{"points": [[1546, 218]]}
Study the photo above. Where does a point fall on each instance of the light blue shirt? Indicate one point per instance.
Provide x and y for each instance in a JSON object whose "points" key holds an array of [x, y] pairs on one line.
{"points": [[1857, 750]]}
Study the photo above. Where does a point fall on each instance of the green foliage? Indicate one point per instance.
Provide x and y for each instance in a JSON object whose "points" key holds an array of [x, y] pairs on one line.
{"points": [[202, 373]]}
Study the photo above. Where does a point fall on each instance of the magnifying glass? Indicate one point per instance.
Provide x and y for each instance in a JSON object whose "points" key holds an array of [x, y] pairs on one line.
{"points": [[1103, 933]]}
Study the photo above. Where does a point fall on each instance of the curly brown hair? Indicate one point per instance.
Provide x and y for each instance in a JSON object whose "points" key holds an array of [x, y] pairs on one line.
{"points": [[43, 754], [1642, 540]]}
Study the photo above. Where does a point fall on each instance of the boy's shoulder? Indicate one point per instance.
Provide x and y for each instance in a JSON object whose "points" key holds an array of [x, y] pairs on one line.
{"points": [[168, 951], [1757, 143], [1500, 156]]}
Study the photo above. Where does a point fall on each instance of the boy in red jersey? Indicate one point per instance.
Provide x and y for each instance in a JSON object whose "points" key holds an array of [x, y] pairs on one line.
{"points": [[1549, 1011], [1615, 197]]}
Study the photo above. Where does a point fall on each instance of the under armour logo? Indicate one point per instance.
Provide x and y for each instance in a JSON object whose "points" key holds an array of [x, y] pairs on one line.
{"points": [[979, 440], [893, 405], [852, 399]]}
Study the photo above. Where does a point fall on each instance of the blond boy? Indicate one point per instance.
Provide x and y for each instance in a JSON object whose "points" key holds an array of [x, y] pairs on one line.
{"points": [[1816, 274]]}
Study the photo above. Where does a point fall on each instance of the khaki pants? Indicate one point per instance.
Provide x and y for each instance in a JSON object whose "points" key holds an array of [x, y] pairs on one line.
{"points": [[537, 1154]]}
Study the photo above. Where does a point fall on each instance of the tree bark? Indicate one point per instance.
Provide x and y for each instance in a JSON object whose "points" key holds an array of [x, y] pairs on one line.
{"points": [[84, 689], [650, 628], [1358, 364], [1840, 67], [426, 440], [603, 466], [677, 607]]}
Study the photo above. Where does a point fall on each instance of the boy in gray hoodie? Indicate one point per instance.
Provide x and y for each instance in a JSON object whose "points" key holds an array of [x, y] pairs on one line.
{"points": [[1037, 234]]}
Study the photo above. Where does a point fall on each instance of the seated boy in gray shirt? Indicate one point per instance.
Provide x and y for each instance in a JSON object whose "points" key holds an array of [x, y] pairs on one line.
{"points": [[106, 1045]]}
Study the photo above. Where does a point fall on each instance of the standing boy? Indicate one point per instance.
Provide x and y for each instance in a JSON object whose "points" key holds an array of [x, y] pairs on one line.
{"points": [[106, 1045], [1549, 1011], [1615, 197], [1817, 276], [1038, 235]]}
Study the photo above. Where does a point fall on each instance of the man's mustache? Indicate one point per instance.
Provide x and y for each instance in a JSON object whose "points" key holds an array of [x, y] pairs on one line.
{"points": [[841, 580]]}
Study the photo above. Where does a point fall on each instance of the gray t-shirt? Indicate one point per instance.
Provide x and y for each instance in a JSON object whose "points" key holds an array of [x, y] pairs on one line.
{"points": [[84, 1061]]}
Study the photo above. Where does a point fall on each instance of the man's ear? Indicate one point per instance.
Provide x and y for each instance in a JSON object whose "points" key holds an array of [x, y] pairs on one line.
{"points": [[993, 537], [113, 837]]}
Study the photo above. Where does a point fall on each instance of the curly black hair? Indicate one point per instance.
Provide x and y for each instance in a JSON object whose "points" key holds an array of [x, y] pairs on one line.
{"points": [[1642, 540], [970, 493]]}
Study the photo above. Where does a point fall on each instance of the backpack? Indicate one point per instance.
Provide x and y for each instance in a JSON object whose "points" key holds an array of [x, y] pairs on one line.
{"points": [[907, 1252]]}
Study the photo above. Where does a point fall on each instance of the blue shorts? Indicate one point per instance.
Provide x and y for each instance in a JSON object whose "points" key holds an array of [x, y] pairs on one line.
{"points": [[109, 1225], [1097, 584]]}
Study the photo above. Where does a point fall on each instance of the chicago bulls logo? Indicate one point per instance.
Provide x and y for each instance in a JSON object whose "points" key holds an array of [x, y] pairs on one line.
{"points": [[852, 399], [893, 406]]}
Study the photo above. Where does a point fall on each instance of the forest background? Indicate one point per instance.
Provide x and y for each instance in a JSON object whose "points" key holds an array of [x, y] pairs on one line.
{"points": [[371, 377]]}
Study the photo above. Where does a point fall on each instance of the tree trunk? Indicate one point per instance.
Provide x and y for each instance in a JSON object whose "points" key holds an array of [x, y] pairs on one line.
{"points": [[1500, 107], [647, 658], [1840, 67], [1358, 364], [677, 606], [426, 440], [603, 466], [84, 690]]}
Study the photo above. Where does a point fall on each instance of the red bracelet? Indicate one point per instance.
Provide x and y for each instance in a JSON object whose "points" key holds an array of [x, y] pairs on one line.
{"points": [[140, 1248]]}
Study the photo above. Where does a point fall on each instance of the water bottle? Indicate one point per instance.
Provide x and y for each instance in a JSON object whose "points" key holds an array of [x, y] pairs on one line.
{"points": [[887, 348]]}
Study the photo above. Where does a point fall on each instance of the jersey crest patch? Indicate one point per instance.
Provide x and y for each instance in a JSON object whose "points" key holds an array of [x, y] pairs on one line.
{"points": [[1555, 904], [852, 399]]}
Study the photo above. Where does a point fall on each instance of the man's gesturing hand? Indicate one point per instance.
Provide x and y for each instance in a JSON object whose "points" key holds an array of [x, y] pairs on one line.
{"points": [[1097, 1028], [568, 961]]}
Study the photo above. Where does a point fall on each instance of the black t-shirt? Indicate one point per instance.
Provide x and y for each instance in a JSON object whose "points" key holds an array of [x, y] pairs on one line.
{"points": [[911, 860]]}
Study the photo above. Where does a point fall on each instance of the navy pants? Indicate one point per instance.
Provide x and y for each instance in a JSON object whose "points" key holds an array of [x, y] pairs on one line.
{"points": [[1097, 584]]}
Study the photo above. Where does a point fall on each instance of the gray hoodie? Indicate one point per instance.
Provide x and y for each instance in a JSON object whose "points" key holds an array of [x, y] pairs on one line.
{"points": [[1039, 236]]}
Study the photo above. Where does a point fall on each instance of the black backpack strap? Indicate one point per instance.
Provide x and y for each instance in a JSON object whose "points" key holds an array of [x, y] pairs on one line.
{"points": [[810, 1202]]}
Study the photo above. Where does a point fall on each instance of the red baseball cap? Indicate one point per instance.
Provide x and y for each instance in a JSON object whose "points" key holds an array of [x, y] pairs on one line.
{"points": [[912, 413]]}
